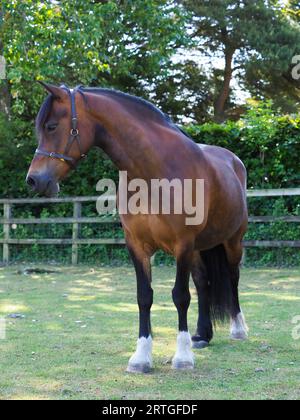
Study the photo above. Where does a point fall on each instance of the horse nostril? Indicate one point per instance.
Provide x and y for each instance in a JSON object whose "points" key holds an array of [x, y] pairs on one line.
{"points": [[32, 182]]}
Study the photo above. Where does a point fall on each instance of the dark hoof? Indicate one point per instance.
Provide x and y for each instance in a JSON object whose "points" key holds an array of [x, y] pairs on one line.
{"points": [[139, 368], [200, 344], [182, 365]]}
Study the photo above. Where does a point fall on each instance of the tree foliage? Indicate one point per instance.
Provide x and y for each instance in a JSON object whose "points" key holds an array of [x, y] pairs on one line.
{"points": [[125, 44], [186, 93], [130, 45], [257, 42], [266, 142]]}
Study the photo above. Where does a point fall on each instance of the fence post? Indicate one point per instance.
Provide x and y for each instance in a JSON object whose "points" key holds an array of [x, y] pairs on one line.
{"points": [[244, 257], [76, 232], [152, 261], [6, 231]]}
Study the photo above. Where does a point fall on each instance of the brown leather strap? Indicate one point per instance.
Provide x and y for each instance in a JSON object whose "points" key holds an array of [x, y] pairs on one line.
{"points": [[74, 135]]}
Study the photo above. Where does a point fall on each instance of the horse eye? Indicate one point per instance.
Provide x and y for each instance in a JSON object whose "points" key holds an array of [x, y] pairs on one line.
{"points": [[51, 127]]}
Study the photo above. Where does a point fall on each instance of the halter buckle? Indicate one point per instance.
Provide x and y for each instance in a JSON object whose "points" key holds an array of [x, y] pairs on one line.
{"points": [[74, 132]]}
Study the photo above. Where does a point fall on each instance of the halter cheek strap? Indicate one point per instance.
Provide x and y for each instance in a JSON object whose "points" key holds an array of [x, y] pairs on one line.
{"points": [[74, 136]]}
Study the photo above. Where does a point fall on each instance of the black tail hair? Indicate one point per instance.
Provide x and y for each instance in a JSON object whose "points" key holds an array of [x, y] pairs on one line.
{"points": [[220, 283]]}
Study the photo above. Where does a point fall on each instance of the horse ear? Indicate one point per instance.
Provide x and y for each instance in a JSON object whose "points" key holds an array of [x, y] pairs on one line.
{"points": [[56, 91]]}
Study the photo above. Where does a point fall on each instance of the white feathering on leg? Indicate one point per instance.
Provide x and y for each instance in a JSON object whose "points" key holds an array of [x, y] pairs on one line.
{"points": [[142, 358], [184, 357], [239, 329]]}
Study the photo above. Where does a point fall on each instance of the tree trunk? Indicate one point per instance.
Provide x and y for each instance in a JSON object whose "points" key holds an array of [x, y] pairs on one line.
{"points": [[5, 99], [220, 102]]}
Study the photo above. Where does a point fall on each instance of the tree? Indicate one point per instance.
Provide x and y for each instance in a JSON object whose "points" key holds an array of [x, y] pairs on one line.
{"points": [[120, 43], [256, 40], [4, 90], [276, 80], [126, 44], [186, 94]]}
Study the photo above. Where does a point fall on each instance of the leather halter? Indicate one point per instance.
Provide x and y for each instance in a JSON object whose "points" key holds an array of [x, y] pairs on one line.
{"points": [[74, 135]]}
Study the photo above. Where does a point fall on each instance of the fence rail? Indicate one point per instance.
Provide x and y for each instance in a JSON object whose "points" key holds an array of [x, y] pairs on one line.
{"points": [[7, 221]]}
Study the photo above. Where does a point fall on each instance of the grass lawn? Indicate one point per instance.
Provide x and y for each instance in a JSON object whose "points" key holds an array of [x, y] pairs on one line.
{"points": [[80, 328]]}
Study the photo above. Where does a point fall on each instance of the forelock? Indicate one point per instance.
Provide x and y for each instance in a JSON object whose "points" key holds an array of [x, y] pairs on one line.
{"points": [[44, 113]]}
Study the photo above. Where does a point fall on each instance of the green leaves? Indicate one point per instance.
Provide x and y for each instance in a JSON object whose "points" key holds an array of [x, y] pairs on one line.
{"points": [[267, 143], [263, 36], [117, 43]]}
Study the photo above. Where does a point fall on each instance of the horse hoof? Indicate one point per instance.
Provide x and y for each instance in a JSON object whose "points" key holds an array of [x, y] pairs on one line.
{"points": [[239, 329], [239, 336], [182, 365], [139, 368], [200, 344]]}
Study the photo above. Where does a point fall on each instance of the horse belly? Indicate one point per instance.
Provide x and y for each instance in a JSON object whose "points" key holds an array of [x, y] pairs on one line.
{"points": [[156, 231]]}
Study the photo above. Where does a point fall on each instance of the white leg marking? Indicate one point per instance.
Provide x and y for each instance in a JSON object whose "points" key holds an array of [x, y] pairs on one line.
{"points": [[141, 360], [239, 329], [184, 357]]}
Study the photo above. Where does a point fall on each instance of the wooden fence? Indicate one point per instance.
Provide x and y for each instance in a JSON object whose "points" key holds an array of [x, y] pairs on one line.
{"points": [[76, 220]]}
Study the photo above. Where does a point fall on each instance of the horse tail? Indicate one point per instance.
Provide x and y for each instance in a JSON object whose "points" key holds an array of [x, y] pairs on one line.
{"points": [[220, 283]]}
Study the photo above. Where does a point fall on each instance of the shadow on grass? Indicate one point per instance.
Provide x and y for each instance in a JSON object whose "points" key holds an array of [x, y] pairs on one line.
{"points": [[80, 329]]}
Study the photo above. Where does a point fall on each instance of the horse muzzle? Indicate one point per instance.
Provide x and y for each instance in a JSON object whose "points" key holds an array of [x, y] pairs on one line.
{"points": [[42, 184]]}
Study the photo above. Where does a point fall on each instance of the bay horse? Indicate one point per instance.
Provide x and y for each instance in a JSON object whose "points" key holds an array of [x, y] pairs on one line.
{"points": [[143, 141]]}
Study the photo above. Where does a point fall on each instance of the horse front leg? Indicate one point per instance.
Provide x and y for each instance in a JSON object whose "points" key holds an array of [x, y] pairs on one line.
{"points": [[184, 357], [141, 360]]}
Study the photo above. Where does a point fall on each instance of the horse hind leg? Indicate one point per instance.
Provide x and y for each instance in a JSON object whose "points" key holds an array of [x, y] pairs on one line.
{"points": [[204, 332], [234, 251], [238, 328]]}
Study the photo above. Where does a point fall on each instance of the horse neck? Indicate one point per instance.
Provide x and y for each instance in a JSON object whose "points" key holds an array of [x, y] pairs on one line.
{"points": [[124, 137]]}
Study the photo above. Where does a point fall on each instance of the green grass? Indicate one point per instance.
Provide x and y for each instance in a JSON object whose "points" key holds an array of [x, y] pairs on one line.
{"points": [[50, 355]]}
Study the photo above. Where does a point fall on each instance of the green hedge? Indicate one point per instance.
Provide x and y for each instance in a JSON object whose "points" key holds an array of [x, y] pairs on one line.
{"points": [[271, 158]]}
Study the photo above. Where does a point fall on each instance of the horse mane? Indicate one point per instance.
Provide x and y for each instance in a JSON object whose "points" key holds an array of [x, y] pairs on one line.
{"points": [[131, 98], [46, 106]]}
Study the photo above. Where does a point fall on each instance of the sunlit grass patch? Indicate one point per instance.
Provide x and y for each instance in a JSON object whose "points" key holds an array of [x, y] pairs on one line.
{"points": [[80, 327]]}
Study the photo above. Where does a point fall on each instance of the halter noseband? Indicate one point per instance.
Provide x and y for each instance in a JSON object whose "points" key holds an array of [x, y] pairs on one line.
{"points": [[74, 135]]}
